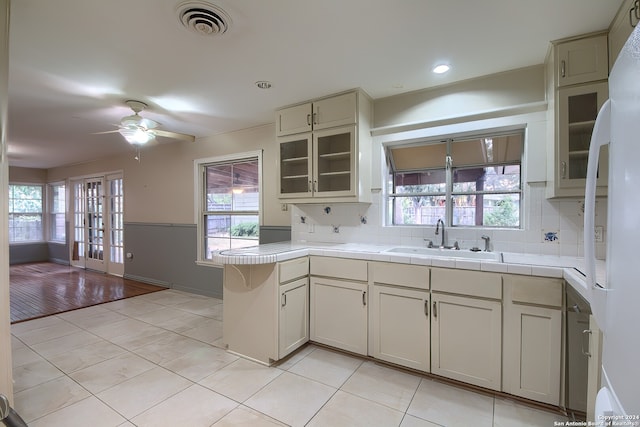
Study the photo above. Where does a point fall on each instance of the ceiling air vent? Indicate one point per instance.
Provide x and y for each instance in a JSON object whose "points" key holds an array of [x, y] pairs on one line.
{"points": [[203, 18]]}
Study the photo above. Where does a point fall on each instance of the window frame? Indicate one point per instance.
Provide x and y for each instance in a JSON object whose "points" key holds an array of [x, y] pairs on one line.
{"points": [[200, 210], [43, 206], [52, 213], [449, 169]]}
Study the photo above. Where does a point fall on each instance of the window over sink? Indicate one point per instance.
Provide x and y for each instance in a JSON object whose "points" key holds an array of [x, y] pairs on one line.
{"points": [[470, 181]]}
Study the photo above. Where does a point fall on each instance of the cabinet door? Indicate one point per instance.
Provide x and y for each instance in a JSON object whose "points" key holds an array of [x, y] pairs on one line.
{"points": [[294, 163], [466, 339], [294, 120], [578, 107], [400, 323], [335, 111], [583, 60], [294, 316], [628, 17], [532, 352], [339, 314], [334, 162]]}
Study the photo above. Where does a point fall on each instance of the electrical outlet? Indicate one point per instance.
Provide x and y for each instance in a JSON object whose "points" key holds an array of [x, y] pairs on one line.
{"points": [[599, 233]]}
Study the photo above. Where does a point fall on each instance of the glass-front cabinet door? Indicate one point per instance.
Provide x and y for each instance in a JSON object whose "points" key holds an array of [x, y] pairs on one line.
{"points": [[334, 162], [578, 109], [295, 175]]}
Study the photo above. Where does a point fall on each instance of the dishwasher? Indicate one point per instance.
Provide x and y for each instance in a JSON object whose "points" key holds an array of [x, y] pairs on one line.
{"points": [[577, 358]]}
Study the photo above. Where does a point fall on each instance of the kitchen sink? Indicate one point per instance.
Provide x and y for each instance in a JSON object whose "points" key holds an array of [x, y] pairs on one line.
{"points": [[449, 253]]}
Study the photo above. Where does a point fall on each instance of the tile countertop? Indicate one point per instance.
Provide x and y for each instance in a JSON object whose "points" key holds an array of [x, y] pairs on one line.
{"points": [[568, 268]]}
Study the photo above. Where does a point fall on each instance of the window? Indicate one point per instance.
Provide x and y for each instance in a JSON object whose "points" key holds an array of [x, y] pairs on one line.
{"points": [[25, 213], [57, 212], [229, 192], [470, 182]]}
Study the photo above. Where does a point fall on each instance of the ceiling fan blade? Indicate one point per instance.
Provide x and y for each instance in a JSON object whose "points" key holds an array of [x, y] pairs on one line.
{"points": [[174, 135], [109, 131]]}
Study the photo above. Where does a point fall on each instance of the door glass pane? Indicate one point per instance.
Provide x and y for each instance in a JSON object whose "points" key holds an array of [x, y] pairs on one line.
{"points": [[116, 221], [95, 221]]}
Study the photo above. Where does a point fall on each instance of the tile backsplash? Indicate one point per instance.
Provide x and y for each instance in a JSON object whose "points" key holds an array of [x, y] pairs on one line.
{"points": [[551, 227]]}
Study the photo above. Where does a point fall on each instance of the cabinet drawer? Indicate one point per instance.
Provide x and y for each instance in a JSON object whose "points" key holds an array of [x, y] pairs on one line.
{"points": [[413, 276], [533, 290], [293, 269], [465, 282], [341, 268]]}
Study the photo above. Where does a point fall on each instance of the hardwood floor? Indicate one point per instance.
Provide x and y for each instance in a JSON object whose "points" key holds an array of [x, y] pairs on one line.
{"points": [[41, 289]]}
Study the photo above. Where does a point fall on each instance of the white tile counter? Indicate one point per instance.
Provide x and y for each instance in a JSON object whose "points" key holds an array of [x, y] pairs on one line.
{"points": [[514, 263]]}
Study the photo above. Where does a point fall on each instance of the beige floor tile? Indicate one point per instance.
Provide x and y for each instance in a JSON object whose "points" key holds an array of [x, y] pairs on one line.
{"points": [[21, 328], [111, 372], [509, 413], [203, 307], [183, 322], [22, 355], [16, 343], [345, 409], [65, 343], [247, 417], [91, 321], [328, 367], [136, 395], [33, 374], [200, 363], [449, 405], [83, 357], [87, 412], [241, 379], [130, 333], [296, 357], [194, 407], [131, 306], [169, 346], [290, 398], [209, 331], [411, 421], [83, 314], [384, 385], [48, 397], [47, 332], [167, 297], [157, 317]]}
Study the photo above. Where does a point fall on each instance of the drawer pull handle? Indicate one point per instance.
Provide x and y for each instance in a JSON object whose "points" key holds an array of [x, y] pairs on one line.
{"points": [[562, 68], [284, 300], [309, 119], [426, 308], [435, 310], [364, 298]]}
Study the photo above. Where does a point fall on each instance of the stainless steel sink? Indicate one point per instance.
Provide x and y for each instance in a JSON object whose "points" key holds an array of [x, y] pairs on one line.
{"points": [[448, 253]]}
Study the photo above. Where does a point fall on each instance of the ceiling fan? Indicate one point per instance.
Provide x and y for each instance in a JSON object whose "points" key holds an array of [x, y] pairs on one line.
{"points": [[138, 130]]}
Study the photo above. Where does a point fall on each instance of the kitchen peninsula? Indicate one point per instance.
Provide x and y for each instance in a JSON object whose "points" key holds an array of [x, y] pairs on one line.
{"points": [[408, 306]]}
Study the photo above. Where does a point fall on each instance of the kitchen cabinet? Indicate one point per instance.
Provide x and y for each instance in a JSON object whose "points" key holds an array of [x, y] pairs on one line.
{"points": [[399, 315], [333, 111], [466, 326], [626, 19], [578, 91], [331, 160], [339, 303], [581, 60], [265, 311], [533, 337], [321, 165]]}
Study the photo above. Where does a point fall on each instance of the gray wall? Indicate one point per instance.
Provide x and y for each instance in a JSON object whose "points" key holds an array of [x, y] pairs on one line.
{"points": [[28, 252], [165, 255]]}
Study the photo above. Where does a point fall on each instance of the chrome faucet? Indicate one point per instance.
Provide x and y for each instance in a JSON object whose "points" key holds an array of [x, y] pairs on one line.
{"points": [[486, 243], [438, 229]]}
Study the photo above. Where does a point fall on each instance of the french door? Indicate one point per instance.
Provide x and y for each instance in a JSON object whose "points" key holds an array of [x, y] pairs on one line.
{"points": [[98, 219]]}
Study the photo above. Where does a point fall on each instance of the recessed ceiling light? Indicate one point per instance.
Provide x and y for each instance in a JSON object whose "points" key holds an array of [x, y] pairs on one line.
{"points": [[442, 68], [263, 84]]}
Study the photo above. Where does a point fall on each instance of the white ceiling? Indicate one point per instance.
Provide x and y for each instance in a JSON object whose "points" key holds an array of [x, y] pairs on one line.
{"points": [[73, 63]]}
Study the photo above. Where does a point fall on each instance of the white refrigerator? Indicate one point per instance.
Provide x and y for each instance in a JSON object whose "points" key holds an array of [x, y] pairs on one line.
{"points": [[616, 303]]}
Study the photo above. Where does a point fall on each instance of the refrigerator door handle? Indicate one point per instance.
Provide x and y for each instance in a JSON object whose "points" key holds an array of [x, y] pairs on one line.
{"points": [[601, 136]]}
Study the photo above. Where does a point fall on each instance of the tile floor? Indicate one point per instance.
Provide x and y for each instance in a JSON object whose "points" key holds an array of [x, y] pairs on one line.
{"points": [[156, 360]]}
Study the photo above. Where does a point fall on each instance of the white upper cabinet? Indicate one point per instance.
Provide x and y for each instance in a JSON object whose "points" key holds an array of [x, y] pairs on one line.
{"points": [[324, 113], [325, 150], [628, 17], [581, 61]]}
